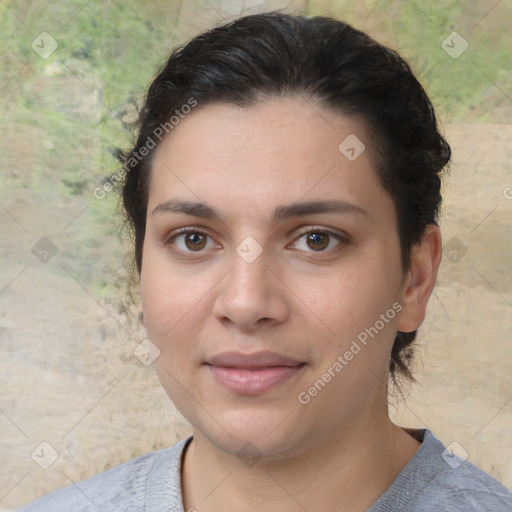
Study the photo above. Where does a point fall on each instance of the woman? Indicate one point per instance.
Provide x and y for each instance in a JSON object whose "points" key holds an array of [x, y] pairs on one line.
{"points": [[284, 192]]}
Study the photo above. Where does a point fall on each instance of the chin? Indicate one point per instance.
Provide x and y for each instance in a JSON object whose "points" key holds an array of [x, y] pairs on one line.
{"points": [[251, 434]]}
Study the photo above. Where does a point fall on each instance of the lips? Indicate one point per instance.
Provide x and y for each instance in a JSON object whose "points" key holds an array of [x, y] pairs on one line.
{"points": [[252, 374], [258, 360]]}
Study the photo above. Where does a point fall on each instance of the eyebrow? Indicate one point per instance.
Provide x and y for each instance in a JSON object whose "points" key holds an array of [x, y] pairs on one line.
{"points": [[280, 214]]}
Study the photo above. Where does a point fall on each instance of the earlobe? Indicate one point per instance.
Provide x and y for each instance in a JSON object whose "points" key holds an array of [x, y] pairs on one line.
{"points": [[418, 286]]}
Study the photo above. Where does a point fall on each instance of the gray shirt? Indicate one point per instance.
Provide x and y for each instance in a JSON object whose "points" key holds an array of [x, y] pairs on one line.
{"points": [[434, 480]]}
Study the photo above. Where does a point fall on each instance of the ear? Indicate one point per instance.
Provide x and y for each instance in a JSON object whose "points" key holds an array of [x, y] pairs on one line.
{"points": [[420, 280]]}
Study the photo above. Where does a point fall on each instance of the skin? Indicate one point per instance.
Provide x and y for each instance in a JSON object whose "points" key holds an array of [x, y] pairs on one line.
{"points": [[340, 451]]}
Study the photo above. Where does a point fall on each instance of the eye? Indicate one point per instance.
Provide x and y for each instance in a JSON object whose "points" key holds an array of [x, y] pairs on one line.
{"points": [[193, 240], [319, 239]]}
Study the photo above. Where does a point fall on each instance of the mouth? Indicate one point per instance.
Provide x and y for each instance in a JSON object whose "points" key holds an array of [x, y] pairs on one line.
{"points": [[255, 361], [253, 374]]}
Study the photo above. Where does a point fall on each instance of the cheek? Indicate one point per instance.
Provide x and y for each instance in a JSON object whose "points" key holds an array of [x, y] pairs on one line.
{"points": [[356, 293], [348, 307], [168, 306], [167, 296]]}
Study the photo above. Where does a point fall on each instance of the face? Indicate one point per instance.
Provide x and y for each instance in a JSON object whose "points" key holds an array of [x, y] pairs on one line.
{"points": [[321, 287]]}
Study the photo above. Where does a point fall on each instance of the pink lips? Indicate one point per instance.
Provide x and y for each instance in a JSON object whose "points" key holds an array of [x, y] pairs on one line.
{"points": [[252, 374]]}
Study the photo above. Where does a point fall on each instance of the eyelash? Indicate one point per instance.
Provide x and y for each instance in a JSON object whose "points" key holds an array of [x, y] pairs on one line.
{"points": [[341, 238]]}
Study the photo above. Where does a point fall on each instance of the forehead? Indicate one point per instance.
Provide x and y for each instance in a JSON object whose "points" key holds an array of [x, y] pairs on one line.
{"points": [[275, 152]]}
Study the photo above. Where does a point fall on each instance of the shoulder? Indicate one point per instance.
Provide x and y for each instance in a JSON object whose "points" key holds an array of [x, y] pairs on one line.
{"points": [[462, 486], [435, 479], [131, 487]]}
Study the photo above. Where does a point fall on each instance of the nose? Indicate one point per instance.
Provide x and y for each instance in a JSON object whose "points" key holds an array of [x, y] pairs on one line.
{"points": [[251, 295]]}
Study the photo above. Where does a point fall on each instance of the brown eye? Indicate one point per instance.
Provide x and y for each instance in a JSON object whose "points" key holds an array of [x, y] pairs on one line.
{"points": [[317, 241], [187, 240], [195, 241], [320, 241]]}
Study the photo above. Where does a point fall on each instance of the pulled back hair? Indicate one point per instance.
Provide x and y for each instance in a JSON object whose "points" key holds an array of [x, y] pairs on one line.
{"points": [[325, 60]]}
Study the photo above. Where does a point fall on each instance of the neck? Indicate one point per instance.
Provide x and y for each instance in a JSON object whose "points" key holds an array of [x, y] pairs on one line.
{"points": [[348, 470]]}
